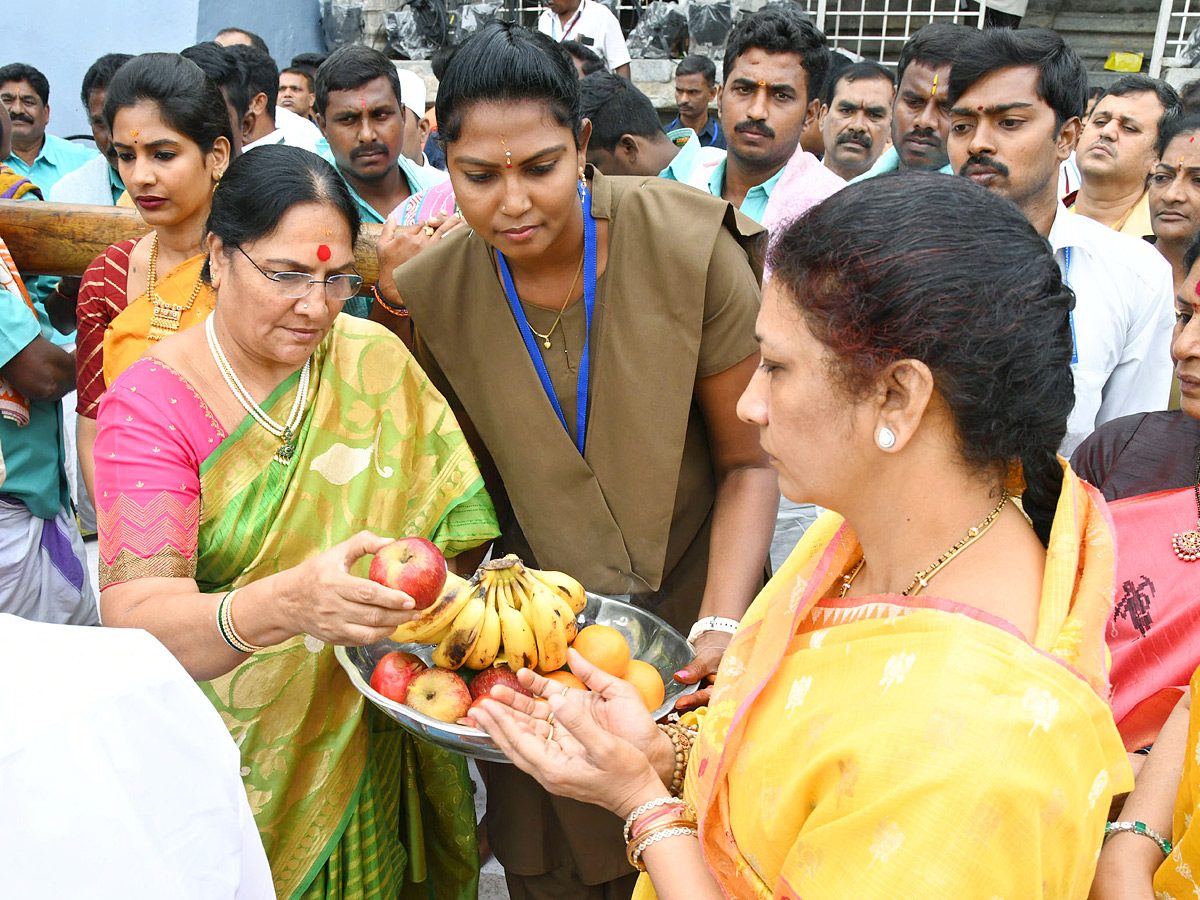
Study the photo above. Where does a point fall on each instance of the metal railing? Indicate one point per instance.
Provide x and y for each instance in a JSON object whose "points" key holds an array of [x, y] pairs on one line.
{"points": [[872, 29], [877, 30], [1176, 21]]}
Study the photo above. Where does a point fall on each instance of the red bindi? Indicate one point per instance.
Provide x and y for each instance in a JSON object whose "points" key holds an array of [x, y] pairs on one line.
{"points": [[323, 253]]}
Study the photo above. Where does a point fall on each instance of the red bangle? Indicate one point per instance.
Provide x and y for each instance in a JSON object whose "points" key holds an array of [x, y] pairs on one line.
{"points": [[646, 820]]}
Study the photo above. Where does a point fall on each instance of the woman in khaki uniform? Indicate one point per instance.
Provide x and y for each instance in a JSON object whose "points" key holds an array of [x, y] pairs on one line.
{"points": [[593, 335]]}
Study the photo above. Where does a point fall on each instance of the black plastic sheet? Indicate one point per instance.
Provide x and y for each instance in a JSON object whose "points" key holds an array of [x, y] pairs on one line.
{"points": [[662, 32], [709, 23], [340, 25], [416, 29], [470, 17]]}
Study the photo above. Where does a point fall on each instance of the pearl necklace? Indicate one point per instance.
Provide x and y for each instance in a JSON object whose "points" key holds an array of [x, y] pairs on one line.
{"points": [[286, 432]]}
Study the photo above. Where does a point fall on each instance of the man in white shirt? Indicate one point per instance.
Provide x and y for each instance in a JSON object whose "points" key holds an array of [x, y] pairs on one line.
{"points": [[1017, 98], [265, 122], [416, 126], [119, 779], [591, 24], [627, 136]]}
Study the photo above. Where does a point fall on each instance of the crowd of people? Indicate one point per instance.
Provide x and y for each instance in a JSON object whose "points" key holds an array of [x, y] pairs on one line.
{"points": [[882, 387]]}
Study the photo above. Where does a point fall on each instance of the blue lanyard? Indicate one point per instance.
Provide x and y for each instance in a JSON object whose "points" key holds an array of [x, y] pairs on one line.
{"points": [[1071, 314], [589, 305]]}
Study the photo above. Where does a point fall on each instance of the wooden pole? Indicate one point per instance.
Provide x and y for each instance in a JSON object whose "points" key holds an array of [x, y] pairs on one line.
{"points": [[64, 238]]}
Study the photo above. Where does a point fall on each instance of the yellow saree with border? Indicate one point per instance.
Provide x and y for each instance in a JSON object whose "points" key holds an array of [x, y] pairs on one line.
{"points": [[1178, 878], [127, 336], [891, 746], [347, 805]]}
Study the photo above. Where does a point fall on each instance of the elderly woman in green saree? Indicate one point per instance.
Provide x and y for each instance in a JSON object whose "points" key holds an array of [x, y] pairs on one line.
{"points": [[244, 469]]}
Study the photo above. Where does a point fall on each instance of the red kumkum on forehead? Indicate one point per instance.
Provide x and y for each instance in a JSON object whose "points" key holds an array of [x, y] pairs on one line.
{"points": [[323, 253]]}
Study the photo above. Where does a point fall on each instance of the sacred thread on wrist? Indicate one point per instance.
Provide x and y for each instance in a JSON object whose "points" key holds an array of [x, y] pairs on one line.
{"points": [[401, 311]]}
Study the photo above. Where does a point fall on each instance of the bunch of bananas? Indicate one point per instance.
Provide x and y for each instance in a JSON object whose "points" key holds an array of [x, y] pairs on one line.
{"points": [[507, 612]]}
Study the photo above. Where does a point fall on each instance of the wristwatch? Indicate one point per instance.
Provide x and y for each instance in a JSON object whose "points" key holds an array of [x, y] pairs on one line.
{"points": [[710, 623]]}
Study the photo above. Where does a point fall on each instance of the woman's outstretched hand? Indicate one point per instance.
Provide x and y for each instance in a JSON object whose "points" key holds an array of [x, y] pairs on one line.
{"points": [[324, 600], [710, 648], [589, 746]]}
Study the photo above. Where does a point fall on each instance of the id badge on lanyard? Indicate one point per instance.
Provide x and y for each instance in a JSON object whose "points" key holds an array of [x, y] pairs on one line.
{"points": [[1067, 282]]}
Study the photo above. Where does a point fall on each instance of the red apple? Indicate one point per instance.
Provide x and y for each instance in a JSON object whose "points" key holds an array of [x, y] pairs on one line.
{"points": [[394, 672], [413, 565], [440, 694], [482, 684]]}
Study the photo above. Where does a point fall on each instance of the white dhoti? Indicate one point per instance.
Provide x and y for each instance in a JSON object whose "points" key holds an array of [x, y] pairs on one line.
{"points": [[43, 568]]}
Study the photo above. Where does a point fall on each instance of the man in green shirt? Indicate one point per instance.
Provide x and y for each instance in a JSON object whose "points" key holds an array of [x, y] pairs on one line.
{"points": [[42, 560], [775, 65], [40, 157], [359, 111]]}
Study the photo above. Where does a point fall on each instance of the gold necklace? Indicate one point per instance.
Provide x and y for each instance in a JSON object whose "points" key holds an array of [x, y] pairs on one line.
{"points": [[1125, 218], [546, 337], [1187, 544], [164, 320], [921, 579]]}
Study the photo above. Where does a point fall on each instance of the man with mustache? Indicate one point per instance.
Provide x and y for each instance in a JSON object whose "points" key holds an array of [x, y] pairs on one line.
{"points": [[695, 91], [775, 64], [856, 117], [920, 121], [1117, 152], [1017, 98], [359, 111], [40, 157]]}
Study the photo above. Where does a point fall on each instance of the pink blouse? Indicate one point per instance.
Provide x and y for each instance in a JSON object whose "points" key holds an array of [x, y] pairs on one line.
{"points": [[153, 433]]}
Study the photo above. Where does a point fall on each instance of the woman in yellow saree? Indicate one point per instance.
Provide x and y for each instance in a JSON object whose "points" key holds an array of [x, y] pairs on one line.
{"points": [[238, 467], [916, 704], [171, 135]]}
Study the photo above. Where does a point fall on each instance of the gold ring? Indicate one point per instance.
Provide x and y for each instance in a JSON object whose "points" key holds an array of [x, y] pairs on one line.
{"points": [[550, 721], [563, 693], [429, 230]]}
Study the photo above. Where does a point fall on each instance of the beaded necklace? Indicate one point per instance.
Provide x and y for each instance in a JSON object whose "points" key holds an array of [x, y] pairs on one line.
{"points": [[286, 432]]}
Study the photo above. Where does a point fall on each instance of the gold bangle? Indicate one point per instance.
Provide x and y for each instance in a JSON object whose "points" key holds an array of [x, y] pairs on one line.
{"points": [[235, 639]]}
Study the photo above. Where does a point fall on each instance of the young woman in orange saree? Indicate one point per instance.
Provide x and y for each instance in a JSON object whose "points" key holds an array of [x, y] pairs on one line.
{"points": [[172, 138]]}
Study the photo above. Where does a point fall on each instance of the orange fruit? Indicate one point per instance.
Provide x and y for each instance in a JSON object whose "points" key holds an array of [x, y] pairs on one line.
{"points": [[648, 682], [566, 678], [603, 647]]}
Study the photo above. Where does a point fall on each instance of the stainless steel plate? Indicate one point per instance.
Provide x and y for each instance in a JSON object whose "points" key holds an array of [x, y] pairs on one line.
{"points": [[650, 639]]}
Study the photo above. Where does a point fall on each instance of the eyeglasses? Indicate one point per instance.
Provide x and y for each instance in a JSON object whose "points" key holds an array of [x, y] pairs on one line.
{"points": [[294, 285]]}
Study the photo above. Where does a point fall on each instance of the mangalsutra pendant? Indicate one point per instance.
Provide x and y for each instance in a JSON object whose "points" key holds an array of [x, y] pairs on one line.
{"points": [[287, 449], [1187, 545]]}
